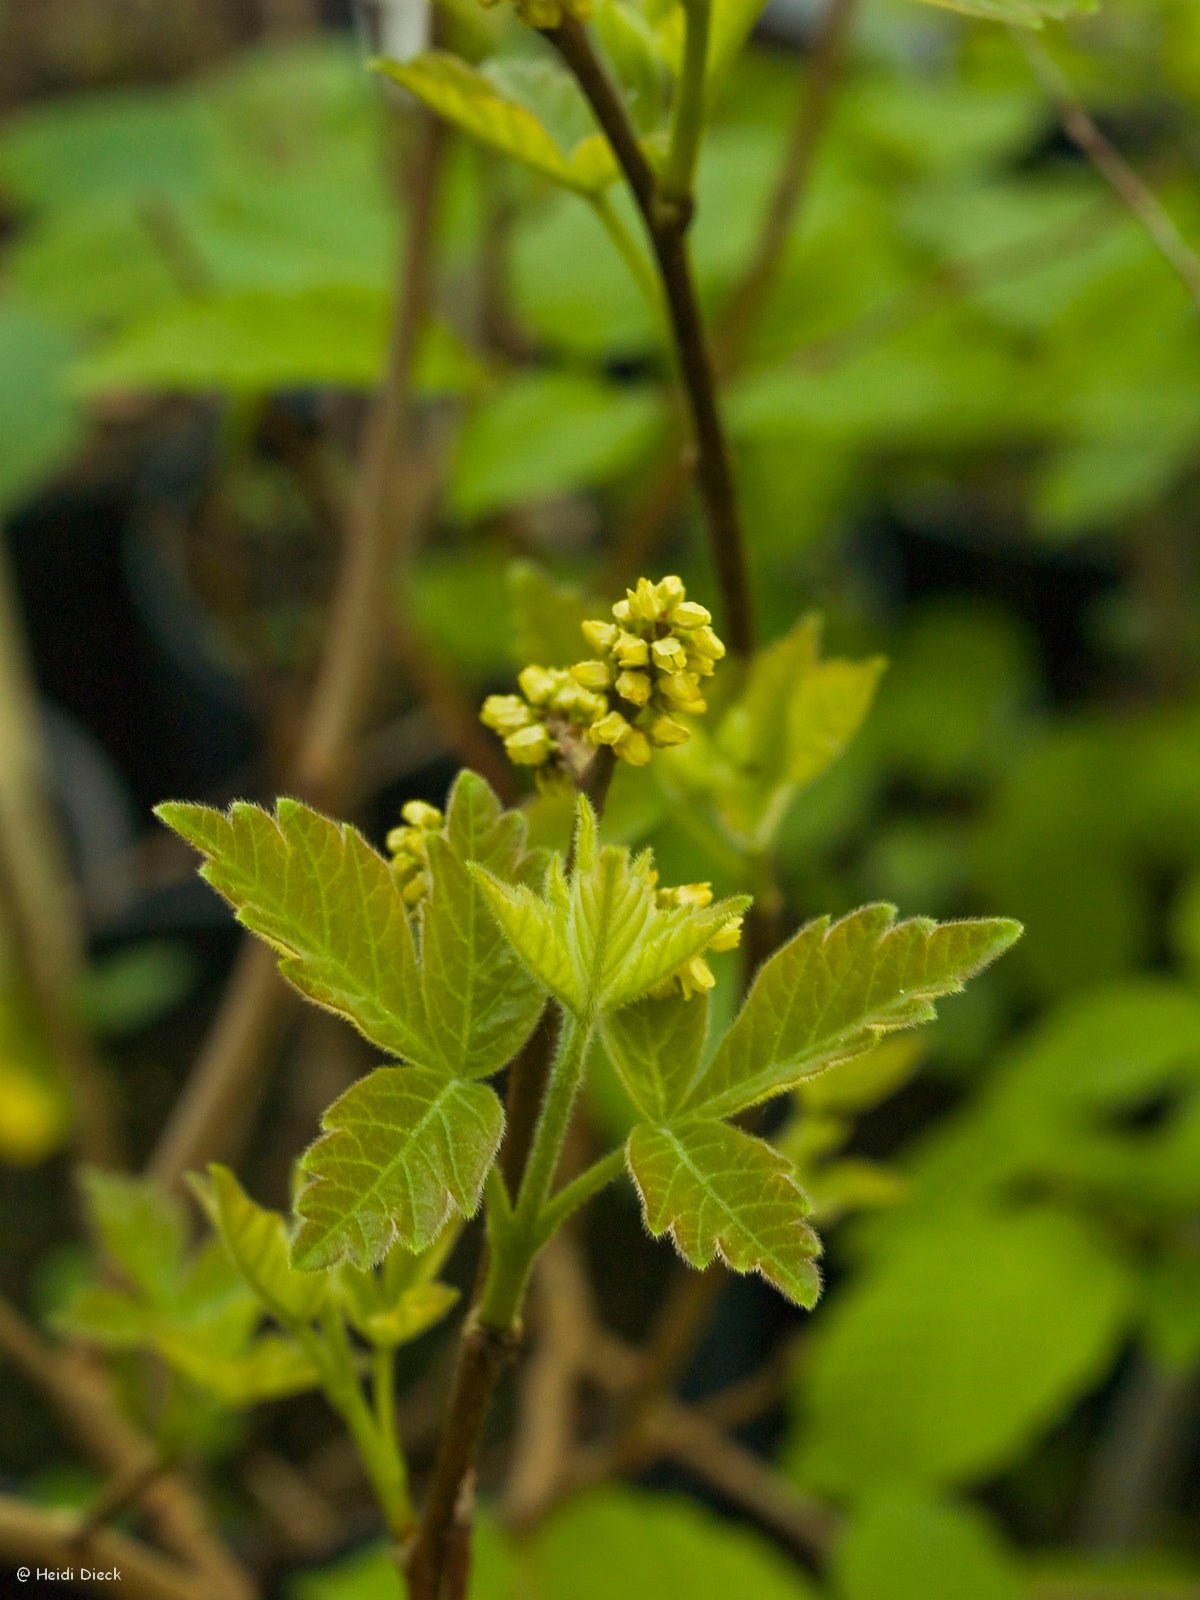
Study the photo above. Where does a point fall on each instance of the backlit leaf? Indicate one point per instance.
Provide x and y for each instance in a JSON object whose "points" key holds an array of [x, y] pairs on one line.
{"points": [[479, 107], [831, 991], [722, 1193], [403, 1150], [656, 1046], [257, 1242], [317, 892]]}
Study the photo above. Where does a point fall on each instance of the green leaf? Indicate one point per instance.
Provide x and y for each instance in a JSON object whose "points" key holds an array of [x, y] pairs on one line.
{"points": [[598, 941], [1021, 13], [796, 717], [258, 340], [475, 104], [140, 1229], [480, 1002], [402, 1151], [547, 617], [401, 1301], [831, 991], [544, 434], [721, 1192], [903, 1546], [966, 1341], [317, 892], [268, 1369], [656, 1047], [257, 1242], [38, 425], [618, 1541]]}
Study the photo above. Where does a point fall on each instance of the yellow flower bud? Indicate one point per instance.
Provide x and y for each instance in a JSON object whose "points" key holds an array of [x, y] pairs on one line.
{"points": [[681, 691], [665, 731], [634, 687], [668, 655], [634, 747], [601, 636], [537, 684], [592, 674], [529, 747], [688, 615], [705, 643], [631, 651], [695, 976], [670, 592], [505, 713], [729, 937], [415, 889], [420, 814], [609, 729]]}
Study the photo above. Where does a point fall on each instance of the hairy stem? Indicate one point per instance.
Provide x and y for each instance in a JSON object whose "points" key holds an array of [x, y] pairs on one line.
{"points": [[666, 217], [227, 1081]]}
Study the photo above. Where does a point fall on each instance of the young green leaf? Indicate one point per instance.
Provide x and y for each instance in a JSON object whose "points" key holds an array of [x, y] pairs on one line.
{"points": [[831, 991], [797, 715], [721, 1192], [269, 1368], [257, 1242], [598, 940], [475, 104], [480, 1002], [458, 1002], [317, 892], [141, 1230], [403, 1150], [656, 1046], [401, 1300]]}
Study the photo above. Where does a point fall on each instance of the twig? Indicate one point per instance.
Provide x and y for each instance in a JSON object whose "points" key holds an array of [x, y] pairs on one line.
{"points": [[743, 1477], [35, 1537], [228, 1077], [44, 923], [791, 184], [83, 1401], [667, 217], [1112, 166]]}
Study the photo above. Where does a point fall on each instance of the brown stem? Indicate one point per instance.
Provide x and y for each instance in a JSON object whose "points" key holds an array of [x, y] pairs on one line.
{"points": [[791, 183], [667, 222], [228, 1077], [1112, 166], [83, 1401], [36, 1537]]}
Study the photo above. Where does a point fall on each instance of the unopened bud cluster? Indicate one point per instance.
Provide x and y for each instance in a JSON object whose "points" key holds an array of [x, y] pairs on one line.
{"points": [[694, 976], [645, 673], [408, 846], [548, 13]]}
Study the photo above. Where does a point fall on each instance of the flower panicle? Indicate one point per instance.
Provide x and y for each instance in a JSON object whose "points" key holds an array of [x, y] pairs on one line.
{"points": [[644, 675]]}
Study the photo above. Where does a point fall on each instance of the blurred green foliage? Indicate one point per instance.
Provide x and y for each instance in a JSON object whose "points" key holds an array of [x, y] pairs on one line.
{"points": [[968, 335]]}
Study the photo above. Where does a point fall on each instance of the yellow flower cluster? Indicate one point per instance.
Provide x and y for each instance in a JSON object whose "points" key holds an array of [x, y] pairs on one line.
{"points": [[695, 976], [409, 848], [651, 659], [548, 13]]}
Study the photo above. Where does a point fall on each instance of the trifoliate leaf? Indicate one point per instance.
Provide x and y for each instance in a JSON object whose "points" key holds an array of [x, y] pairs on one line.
{"points": [[317, 892], [479, 107], [480, 1001], [655, 1047], [721, 1192], [402, 1151], [599, 941], [257, 1243], [832, 990]]}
